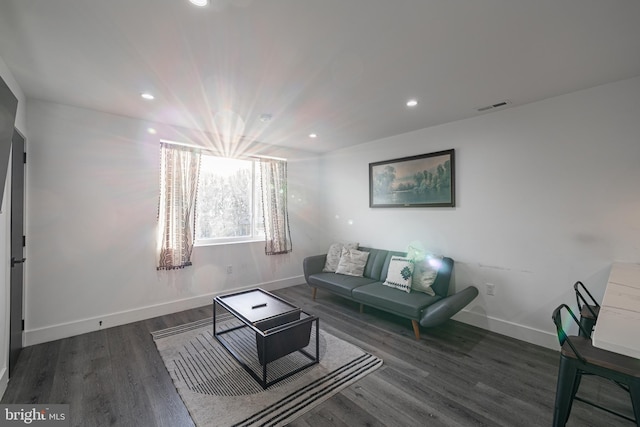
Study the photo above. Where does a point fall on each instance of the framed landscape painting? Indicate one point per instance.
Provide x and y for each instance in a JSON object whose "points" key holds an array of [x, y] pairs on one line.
{"points": [[427, 180]]}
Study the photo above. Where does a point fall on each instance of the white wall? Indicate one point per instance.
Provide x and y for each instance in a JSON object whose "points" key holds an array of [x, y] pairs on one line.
{"points": [[5, 233], [92, 203], [547, 194]]}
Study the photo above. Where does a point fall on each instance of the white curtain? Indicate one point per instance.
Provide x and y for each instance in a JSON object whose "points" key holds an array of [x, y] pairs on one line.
{"points": [[273, 174], [179, 170]]}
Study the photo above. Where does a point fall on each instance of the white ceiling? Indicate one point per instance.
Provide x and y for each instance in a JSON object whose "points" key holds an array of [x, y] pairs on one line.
{"points": [[340, 68]]}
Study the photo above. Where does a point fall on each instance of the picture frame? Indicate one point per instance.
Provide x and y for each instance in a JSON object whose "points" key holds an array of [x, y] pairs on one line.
{"points": [[426, 180]]}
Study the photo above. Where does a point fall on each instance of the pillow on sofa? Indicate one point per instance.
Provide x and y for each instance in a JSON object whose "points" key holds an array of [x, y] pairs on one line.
{"points": [[415, 251], [352, 262], [424, 274], [400, 273], [334, 254]]}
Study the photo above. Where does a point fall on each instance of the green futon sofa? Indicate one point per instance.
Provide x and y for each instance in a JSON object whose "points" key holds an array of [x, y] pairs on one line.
{"points": [[422, 309]]}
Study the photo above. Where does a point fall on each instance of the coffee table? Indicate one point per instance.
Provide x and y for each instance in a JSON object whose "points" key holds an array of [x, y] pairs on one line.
{"points": [[280, 329]]}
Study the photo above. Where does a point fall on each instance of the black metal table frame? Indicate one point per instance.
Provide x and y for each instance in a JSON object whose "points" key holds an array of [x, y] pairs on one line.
{"points": [[264, 334]]}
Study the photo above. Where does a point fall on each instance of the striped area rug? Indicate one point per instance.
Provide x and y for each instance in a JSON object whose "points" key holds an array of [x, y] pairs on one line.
{"points": [[217, 391]]}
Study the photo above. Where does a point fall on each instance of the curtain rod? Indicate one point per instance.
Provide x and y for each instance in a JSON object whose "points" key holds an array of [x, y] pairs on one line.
{"points": [[186, 144]]}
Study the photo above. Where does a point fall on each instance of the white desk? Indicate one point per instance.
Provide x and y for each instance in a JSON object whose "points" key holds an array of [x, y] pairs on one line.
{"points": [[618, 326]]}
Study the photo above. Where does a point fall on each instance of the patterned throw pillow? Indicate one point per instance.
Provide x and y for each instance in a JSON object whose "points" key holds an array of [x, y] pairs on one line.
{"points": [[400, 273], [352, 262], [424, 274], [334, 254]]}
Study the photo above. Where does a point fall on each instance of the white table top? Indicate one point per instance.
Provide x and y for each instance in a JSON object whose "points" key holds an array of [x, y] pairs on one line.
{"points": [[618, 326]]}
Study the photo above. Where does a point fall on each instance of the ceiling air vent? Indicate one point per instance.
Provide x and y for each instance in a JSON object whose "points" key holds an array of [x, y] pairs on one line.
{"points": [[494, 106]]}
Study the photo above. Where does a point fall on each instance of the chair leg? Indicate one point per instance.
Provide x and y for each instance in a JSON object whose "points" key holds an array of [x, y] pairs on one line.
{"points": [[576, 385], [634, 390], [313, 293], [565, 391], [416, 329]]}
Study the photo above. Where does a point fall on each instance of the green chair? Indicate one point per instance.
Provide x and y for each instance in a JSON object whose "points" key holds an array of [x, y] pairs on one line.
{"points": [[588, 310], [579, 357]]}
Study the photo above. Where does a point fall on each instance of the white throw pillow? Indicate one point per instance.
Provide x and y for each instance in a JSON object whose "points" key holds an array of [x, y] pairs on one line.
{"points": [[334, 254], [352, 262], [424, 274], [400, 273]]}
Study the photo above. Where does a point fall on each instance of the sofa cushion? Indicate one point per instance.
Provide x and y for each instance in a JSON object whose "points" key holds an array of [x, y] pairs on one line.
{"points": [[400, 273], [352, 262], [441, 284], [334, 254], [374, 263], [337, 283], [403, 304]]}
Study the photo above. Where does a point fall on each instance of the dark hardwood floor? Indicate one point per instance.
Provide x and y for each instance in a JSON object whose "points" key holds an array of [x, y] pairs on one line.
{"points": [[456, 375]]}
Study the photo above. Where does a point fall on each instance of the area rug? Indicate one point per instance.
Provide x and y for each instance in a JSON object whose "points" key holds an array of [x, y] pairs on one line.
{"points": [[217, 391]]}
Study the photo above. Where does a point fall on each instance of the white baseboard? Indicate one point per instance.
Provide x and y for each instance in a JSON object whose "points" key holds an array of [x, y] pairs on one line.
{"points": [[510, 329], [65, 330]]}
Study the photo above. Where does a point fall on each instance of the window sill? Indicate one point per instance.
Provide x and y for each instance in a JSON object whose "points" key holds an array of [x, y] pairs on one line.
{"points": [[228, 242]]}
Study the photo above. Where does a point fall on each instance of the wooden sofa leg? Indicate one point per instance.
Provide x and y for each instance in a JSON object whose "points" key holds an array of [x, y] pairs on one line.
{"points": [[416, 329], [313, 293]]}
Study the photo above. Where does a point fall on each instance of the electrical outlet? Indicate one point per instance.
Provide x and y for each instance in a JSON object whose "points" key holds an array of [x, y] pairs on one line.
{"points": [[229, 269], [491, 289]]}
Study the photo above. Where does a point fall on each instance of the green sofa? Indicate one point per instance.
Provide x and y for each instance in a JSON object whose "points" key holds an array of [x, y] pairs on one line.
{"points": [[422, 309]]}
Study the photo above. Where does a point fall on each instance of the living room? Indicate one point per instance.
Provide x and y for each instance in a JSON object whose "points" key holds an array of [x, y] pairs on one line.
{"points": [[546, 194]]}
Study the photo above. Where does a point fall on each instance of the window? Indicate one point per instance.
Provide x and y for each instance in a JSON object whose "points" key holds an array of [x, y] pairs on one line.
{"points": [[228, 207]]}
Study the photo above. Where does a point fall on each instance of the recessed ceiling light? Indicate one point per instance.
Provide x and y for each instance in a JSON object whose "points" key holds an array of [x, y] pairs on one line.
{"points": [[412, 103], [147, 95], [152, 131], [313, 135], [199, 3]]}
